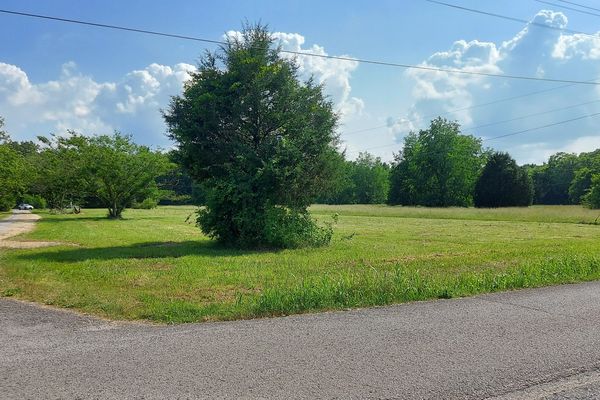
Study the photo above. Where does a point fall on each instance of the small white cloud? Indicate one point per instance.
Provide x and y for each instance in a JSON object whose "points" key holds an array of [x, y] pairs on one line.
{"points": [[581, 46], [334, 74]]}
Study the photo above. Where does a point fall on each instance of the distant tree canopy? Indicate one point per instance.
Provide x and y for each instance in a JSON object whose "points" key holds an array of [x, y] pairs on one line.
{"points": [[13, 171], [438, 167], [553, 179], [61, 170], [109, 170], [260, 141], [565, 178], [12, 176], [503, 183], [121, 172], [592, 197], [3, 135], [257, 146], [363, 181]]}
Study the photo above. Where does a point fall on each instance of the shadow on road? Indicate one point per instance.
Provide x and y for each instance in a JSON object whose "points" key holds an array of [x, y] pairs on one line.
{"points": [[141, 251]]}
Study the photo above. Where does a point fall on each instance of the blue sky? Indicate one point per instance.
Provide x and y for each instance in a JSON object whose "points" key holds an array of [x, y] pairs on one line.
{"points": [[56, 76]]}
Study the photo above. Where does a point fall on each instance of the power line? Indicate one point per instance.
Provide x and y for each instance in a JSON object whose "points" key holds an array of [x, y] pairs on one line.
{"points": [[579, 5], [542, 127], [462, 109], [532, 115], [516, 132], [508, 18], [304, 54], [568, 8]]}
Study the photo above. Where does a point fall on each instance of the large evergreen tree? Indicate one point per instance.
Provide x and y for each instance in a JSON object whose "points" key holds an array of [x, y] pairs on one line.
{"points": [[258, 139], [503, 183]]}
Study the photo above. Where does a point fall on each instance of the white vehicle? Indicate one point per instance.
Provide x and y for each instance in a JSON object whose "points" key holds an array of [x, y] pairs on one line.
{"points": [[25, 206]]}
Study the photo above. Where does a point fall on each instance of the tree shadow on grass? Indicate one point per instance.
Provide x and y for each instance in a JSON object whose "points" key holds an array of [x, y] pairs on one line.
{"points": [[148, 250], [75, 218]]}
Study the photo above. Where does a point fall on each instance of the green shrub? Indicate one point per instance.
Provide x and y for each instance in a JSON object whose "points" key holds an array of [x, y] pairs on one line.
{"points": [[7, 202], [248, 225], [285, 228], [147, 204], [35, 200], [170, 198]]}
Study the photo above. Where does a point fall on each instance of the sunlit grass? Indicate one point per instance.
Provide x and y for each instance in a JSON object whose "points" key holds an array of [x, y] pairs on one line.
{"points": [[153, 265]]}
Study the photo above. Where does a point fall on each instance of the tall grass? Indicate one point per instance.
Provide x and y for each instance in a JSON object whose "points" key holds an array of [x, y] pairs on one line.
{"points": [[386, 287]]}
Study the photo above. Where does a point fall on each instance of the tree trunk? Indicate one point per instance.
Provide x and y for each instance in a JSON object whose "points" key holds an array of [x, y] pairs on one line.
{"points": [[114, 212]]}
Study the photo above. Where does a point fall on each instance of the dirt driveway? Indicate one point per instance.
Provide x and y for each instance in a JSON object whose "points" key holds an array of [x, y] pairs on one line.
{"points": [[18, 223]]}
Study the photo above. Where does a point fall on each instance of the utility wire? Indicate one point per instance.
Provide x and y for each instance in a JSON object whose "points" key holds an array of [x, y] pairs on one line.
{"points": [[532, 115], [568, 8], [506, 17], [520, 132], [459, 109], [579, 5], [542, 127], [305, 54]]}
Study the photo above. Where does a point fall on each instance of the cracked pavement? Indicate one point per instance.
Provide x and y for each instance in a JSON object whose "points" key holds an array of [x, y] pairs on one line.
{"points": [[538, 343]]}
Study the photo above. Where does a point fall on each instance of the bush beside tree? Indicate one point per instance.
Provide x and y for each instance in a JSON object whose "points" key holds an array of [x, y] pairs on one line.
{"points": [[37, 201]]}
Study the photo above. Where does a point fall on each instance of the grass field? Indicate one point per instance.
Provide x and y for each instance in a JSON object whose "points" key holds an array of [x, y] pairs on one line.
{"points": [[153, 265]]}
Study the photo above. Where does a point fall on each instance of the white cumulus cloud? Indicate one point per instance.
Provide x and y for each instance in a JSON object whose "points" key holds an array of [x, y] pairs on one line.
{"points": [[132, 103], [533, 51], [76, 101], [334, 74]]}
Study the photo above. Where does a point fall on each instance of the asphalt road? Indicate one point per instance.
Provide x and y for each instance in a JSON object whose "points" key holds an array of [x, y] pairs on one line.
{"points": [[542, 343]]}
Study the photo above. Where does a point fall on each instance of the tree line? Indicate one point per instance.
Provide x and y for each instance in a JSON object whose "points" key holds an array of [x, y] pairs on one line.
{"points": [[65, 172], [440, 167], [437, 167]]}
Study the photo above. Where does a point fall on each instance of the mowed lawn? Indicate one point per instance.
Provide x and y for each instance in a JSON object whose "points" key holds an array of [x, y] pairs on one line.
{"points": [[154, 265]]}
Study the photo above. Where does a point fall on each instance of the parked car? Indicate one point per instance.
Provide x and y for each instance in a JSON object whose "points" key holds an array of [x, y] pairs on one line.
{"points": [[25, 206]]}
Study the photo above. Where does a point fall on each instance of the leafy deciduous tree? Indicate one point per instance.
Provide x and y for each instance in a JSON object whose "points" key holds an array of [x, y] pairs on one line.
{"points": [[437, 167], [552, 180], [60, 170], [503, 183], [12, 171], [592, 198], [121, 171], [371, 179], [12, 174]]}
